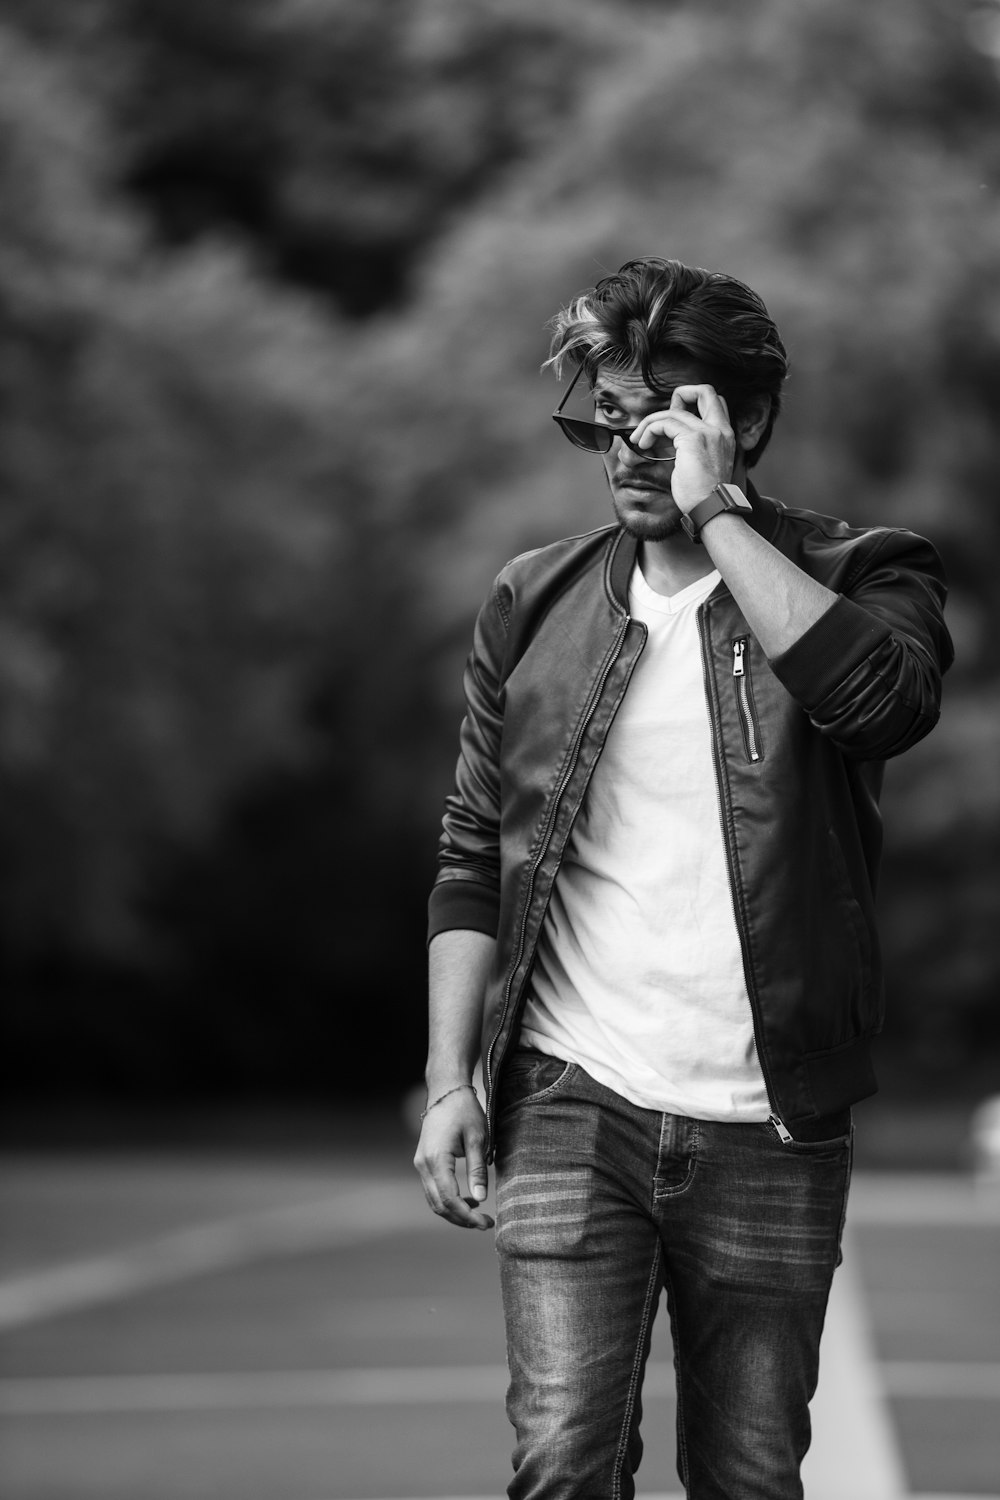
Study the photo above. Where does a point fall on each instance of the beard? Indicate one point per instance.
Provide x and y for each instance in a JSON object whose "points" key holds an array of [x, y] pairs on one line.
{"points": [[648, 528]]}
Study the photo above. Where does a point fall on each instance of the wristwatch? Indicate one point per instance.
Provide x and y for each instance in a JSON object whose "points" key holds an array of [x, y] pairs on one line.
{"points": [[723, 497]]}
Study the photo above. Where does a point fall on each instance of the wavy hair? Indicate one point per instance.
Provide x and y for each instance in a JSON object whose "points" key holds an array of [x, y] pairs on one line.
{"points": [[657, 311]]}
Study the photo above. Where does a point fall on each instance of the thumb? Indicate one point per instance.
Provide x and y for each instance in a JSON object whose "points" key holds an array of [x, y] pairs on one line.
{"points": [[477, 1173]]}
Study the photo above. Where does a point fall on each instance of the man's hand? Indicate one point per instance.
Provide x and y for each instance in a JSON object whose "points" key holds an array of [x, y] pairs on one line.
{"points": [[453, 1129], [703, 439]]}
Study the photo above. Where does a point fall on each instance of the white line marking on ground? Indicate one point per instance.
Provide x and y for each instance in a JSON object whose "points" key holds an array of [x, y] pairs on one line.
{"points": [[112, 1394], [939, 1380], [923, 1198], [332, 1223], [102, 1395], [854, 1449]]}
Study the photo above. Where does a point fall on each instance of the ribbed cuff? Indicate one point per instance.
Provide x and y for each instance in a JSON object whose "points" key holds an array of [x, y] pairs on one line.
{"points": [[462, 903], [829, 652]]}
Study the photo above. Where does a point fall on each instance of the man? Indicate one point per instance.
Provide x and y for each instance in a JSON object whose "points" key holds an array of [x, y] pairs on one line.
{"points": [[654, 905]]}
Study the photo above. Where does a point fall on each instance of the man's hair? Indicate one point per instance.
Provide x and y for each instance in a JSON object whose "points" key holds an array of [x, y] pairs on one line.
{"points": [[661, 311]]}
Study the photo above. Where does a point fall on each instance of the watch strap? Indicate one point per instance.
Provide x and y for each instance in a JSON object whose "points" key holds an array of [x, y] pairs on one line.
{"points": [[723, 497]]}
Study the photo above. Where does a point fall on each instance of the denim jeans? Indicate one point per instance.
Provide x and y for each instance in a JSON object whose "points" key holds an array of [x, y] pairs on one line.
{"points": [[600, 1206]]}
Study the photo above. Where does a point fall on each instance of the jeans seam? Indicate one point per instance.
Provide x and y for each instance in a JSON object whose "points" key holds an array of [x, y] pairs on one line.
{"points": [[683, 1466], [661, 1195], [569, 1071], [848, 1170], [638, 1365]]}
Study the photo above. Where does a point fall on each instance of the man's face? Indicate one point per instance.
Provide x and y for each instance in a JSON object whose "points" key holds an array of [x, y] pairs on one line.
{"points": [[640, 489]]}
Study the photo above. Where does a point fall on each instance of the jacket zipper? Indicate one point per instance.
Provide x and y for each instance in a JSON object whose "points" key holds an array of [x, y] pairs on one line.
{"points": [[564, 780], [751, 743], [739, 645], [744, 699]]}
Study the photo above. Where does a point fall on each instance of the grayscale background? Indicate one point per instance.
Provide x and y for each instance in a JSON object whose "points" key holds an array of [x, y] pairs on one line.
{"points": [[274, 276]]}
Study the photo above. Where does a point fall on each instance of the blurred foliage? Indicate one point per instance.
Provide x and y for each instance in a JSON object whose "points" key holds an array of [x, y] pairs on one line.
{"points": [[333, 138], [273, 281]]}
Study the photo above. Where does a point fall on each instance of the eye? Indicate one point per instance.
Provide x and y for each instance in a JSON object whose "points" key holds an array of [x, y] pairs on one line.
{"points": [[609, 413]]}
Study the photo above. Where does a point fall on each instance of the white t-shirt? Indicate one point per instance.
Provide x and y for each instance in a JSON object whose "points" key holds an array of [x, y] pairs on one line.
{"points": [[639, 974]]}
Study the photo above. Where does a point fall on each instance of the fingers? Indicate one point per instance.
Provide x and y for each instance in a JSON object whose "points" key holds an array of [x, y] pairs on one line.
{"points": [[475, 1170], [678, 421], [708, 404], [442, 1192]]}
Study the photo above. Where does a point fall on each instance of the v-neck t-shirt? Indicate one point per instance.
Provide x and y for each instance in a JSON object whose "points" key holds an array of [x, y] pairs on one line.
{"points": [[639, 972]]}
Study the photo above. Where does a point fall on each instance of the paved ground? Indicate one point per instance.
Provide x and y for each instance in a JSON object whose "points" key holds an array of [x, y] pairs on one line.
{"points": [[295, 1326]]}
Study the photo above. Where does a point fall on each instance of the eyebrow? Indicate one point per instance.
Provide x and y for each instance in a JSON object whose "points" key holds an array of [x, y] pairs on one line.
{"points": [[597, 391]]}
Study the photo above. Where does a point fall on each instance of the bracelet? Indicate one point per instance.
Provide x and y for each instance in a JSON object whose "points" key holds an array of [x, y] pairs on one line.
{"points": [[447, 1093]]}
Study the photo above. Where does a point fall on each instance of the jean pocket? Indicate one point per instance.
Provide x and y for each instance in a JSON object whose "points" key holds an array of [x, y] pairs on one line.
{"points": [[835, 1147], [529, 1075], [816, 1137]]}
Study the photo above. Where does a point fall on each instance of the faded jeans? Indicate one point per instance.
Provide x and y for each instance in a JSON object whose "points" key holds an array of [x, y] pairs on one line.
{"points": [[600, 1206]]}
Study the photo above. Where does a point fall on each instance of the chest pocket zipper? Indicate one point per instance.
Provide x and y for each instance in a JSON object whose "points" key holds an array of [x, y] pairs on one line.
{"points": [[744, 699]]}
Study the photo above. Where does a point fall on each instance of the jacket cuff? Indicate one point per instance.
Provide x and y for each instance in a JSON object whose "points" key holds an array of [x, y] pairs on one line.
{"points": [[829, 652], [462, 903]]}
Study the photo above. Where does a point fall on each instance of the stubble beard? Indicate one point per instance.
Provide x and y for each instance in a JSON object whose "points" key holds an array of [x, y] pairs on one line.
{"points": [[649, 528], [646, 528]]}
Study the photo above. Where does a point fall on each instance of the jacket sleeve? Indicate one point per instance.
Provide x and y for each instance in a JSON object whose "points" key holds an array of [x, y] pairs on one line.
{"points": [[466, 892], [868, 673]]}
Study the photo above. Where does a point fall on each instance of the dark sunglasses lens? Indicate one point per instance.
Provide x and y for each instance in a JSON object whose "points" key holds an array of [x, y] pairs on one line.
{"points": [[587, 435]]}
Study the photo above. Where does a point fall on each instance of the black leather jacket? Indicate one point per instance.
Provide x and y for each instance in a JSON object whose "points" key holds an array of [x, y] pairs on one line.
{"points": [[800, 742]]}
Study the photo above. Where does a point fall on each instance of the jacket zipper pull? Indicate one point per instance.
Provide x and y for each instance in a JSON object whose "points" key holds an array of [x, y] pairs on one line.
{"points": [[739, 646], [783, 1133]]}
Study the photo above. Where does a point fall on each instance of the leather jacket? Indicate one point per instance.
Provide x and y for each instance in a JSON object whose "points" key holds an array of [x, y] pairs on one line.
{"points": [[799, 743]]}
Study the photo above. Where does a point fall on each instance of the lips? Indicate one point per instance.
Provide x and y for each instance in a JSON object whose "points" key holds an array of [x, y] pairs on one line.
{"points": [[631, 479]]}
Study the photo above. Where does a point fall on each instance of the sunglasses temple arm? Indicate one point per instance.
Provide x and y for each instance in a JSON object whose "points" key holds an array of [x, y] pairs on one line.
{"points": [[569, 390]]}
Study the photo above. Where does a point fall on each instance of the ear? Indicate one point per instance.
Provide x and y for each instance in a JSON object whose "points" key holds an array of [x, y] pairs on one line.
{"points": [[753, 422]]}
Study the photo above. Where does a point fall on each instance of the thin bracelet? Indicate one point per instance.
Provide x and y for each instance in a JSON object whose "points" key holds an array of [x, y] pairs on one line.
{"points": [[425, 1112]]}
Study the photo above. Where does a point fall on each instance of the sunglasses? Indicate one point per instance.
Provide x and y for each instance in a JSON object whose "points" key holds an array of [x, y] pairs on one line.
{"points": [[598, 437]]}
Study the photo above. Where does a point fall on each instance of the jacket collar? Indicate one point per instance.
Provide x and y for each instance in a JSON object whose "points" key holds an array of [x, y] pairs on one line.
{"points": [[621, 559]]}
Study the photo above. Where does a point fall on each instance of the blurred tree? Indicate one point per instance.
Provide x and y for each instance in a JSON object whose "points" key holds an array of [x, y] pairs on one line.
{"points": [[168, 536], [333, 140]]}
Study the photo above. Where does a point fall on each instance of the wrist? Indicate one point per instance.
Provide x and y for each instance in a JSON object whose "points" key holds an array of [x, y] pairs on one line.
{"points": [[434, 1099], [722, 499], [719, 522], [448, 1075]]}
